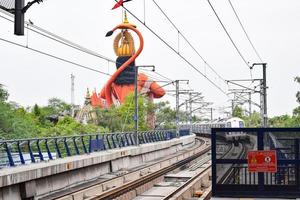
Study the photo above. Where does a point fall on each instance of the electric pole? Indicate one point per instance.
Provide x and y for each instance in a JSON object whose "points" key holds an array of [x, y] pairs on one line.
{"points": [[263, 92], [136, 112], [135, 117], [72, 94], [177, 104], [191, 100], [191, 108], [243, 94], [187, 110], [177, 107], [250, 106]]}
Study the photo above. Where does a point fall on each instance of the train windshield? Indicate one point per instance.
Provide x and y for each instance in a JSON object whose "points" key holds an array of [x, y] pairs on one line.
{"points": [[228, 124], [241, 124]]}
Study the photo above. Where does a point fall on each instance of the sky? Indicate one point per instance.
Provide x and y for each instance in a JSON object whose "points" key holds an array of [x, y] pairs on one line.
{"points": [[273, 27]]}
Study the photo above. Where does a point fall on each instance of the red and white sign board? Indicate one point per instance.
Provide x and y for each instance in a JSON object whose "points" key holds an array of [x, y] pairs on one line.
{"points": [[262, 161]]}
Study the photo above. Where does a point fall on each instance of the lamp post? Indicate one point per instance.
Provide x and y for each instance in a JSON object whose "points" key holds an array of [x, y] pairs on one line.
{"points": [[136, 114]]}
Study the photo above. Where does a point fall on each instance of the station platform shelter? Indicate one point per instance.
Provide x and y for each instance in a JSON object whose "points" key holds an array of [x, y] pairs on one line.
{"points": [[254, 163]]}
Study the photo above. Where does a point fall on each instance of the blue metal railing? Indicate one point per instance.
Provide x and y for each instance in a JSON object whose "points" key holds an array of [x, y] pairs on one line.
{"points": [[26, 151]]}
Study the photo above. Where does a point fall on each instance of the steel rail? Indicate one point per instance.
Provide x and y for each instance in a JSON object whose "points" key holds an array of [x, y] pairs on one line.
{"points": [[79, 189], [146, 179], [227, 176], [179, 189]]}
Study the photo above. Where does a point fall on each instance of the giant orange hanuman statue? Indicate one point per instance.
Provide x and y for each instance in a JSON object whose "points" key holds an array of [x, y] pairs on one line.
{"points": [[121, 83]]}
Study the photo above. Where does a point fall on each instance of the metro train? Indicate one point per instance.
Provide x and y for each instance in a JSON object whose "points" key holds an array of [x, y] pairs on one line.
{"points": [[205, 127]]}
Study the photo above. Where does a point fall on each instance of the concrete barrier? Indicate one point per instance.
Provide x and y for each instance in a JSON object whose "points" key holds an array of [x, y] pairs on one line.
{"points": [[44, 178]]}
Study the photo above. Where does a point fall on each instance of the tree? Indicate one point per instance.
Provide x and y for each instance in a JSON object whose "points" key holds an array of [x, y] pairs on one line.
{"points": [[121, 118], [254, 120], [165, 116], [238, 112], [16, 123], [296, 111], [36, 110], [3, 94], [57, 106]]}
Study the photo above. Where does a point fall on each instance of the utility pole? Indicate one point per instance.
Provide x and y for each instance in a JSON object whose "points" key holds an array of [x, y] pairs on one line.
{"points": [[250, 106], [191, 108], [136, 112], [72, 94], [135, 118], [192, 99], [177, 104], [232, 106], [187, 110], [19, 17], [243, 94], [177, 107], [262, 103], [211, 114], [263, 93]]}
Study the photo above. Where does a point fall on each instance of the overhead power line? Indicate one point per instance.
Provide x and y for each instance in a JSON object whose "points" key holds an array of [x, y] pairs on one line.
{"points": [[174, 50], [240, 22], [68, 61], [59, 39], [159, 74], [227, 33], [53, 56], [49, 35], [188, 42]]}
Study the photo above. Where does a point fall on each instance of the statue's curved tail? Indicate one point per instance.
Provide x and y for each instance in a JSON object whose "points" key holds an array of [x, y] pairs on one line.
{"points": [[108, 86]]}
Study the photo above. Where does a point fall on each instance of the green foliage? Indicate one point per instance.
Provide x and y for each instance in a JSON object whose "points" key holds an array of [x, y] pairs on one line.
{"points": [[296, 111], [238, 112], [16, 122], [121, 118], [281, 121], [69, 126], [165, 116], [57, 106], [254, 120], [3, 94]]}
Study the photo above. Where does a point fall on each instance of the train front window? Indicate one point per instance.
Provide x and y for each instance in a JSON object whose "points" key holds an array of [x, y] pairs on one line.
{"points": [[241, 124], [228, 124]]}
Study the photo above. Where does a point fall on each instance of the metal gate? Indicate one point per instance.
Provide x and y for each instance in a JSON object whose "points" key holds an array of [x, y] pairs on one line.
{"points": [[230, 175]]}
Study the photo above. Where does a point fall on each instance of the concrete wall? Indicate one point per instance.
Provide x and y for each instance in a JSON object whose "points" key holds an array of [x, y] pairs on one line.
{"points": [[38, 179]]}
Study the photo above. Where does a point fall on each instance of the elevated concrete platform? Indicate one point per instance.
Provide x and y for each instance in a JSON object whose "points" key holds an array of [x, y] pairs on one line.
{"points": [[47, 177], [220, 198]]}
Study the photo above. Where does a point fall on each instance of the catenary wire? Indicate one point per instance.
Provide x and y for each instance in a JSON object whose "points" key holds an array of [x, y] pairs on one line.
{"points": [[227, 33], [188, 42], [55, 57], [241, 24], [171, 48]]}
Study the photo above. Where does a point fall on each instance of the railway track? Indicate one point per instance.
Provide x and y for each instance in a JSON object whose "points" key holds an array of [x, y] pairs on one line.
{"points": [[127, 183], [228, 175], [191, 187]]}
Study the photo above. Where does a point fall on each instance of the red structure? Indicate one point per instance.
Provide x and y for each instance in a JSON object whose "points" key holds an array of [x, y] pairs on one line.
{"points": [[121, 83]]}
